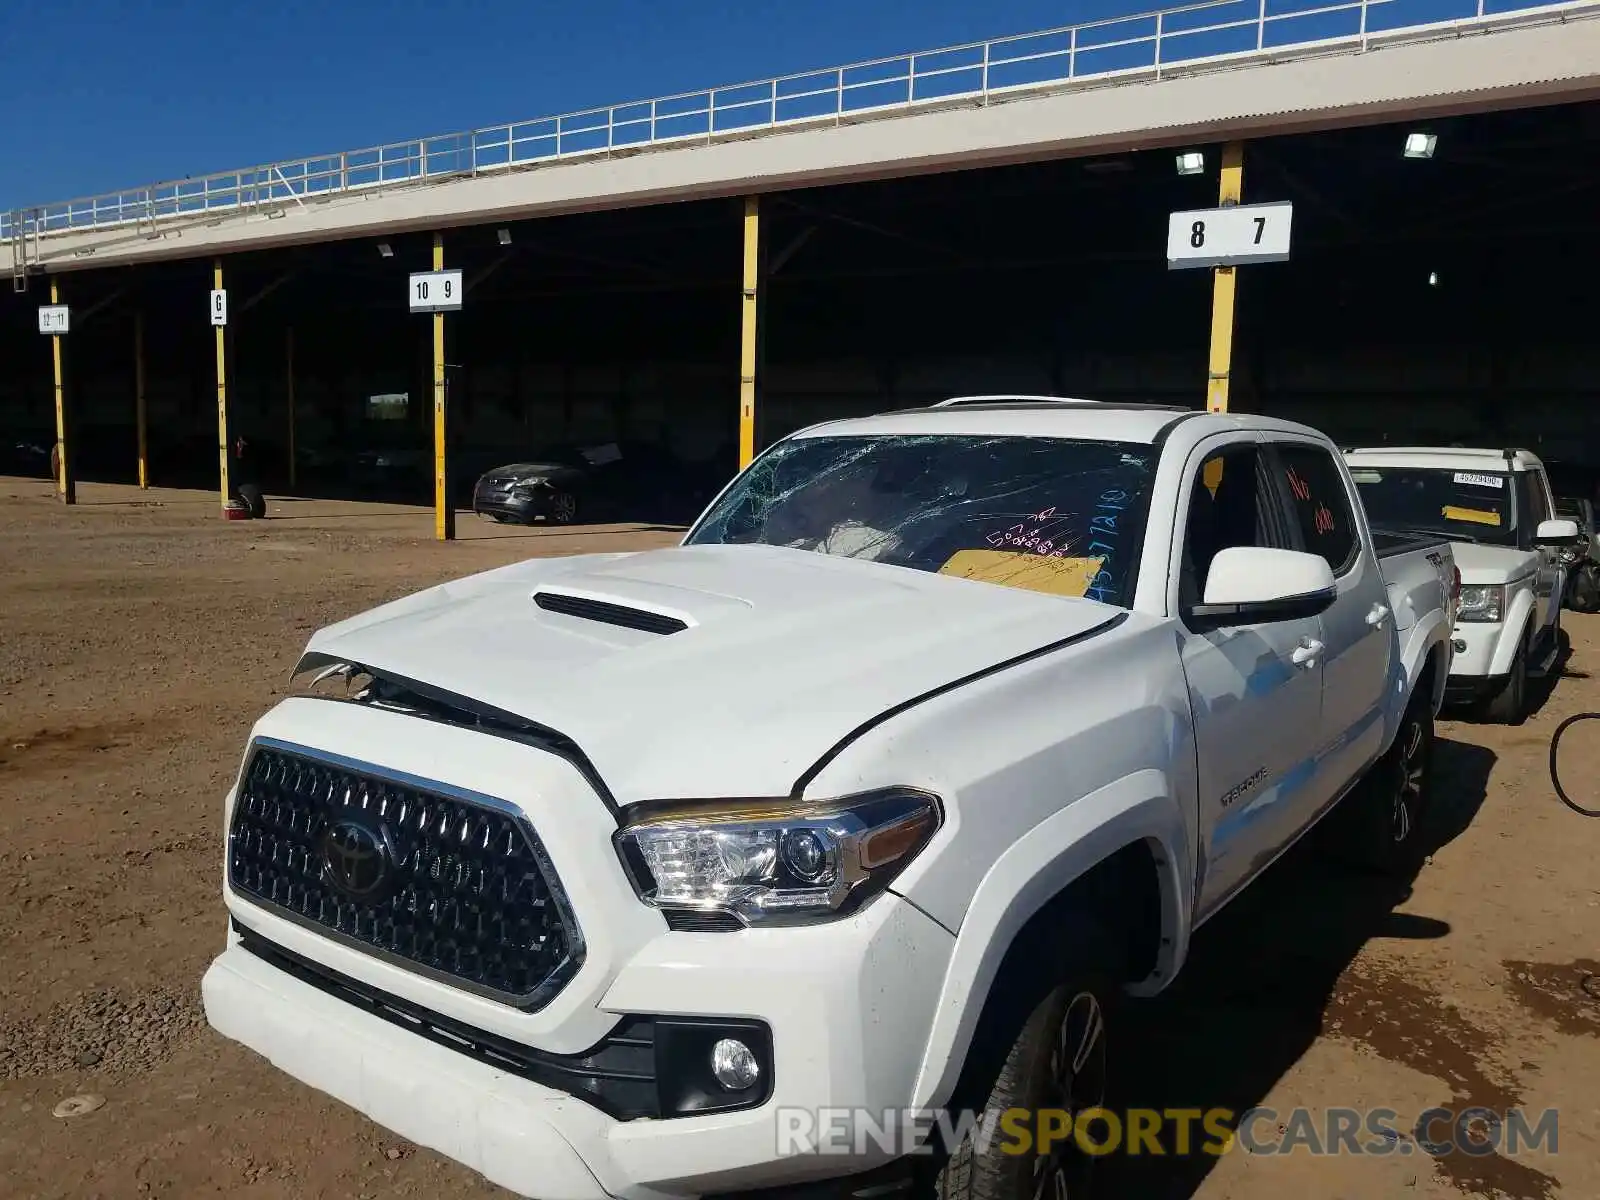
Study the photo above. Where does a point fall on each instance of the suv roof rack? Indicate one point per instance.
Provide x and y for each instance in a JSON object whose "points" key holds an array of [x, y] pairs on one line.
{"points": [[958, 401], [1052, 402]]}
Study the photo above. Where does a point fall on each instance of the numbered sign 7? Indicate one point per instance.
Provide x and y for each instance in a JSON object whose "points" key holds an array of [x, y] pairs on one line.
{"points": [[1232, 236]]}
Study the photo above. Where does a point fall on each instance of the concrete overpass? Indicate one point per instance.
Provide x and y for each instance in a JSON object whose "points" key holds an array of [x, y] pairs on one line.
{"points": [[937, 111]]}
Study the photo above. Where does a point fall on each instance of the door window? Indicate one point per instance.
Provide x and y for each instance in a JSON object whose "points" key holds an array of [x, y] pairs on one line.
{"points": [[1322, 511], [1232, 503]]}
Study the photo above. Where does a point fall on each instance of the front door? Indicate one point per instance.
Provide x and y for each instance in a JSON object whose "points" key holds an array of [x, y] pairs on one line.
{"points": [[1255, 691]]}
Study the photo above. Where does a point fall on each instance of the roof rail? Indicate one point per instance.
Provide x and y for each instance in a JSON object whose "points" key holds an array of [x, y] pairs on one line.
{"points": [[957, 401]]}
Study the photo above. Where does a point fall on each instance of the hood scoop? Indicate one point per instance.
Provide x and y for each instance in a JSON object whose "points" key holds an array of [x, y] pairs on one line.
{"points": [[587, 608]]}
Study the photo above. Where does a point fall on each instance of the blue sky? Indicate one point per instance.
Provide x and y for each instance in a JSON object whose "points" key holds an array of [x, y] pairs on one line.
{"points": [[106, 94]]}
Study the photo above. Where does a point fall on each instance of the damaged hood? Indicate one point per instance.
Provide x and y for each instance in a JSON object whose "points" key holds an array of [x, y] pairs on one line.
{"points": [[704, 671]]}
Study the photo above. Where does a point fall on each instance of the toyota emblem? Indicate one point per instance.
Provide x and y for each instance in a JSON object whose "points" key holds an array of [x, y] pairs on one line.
{"points": [[355, 859]]}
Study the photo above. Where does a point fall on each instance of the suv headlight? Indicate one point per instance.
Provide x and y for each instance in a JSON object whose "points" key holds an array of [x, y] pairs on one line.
{"points": [[1484, 602], [777, 861]]}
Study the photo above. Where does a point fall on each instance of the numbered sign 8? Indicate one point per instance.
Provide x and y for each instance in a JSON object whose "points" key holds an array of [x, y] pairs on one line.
{"points": [[435, 291], [1226, 237]]}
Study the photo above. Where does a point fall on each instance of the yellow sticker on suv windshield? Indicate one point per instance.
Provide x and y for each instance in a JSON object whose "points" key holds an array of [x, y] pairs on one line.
{"points": [[1031, 572], [1476, 516]]}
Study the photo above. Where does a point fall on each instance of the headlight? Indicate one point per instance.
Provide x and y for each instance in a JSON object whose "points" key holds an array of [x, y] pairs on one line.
{"points": [[775, 861], [1481, 603], [527, 485]]}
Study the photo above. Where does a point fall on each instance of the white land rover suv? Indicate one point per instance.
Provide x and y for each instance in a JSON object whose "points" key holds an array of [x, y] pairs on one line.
{"points": [[1496, 508]]}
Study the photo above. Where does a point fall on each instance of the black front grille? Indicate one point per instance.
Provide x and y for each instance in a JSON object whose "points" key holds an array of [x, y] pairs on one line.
{"points": [[452, 887]]}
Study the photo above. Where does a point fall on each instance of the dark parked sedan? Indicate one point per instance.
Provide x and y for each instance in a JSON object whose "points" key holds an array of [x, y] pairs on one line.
{"points": [[525, 491], [625, 481]]}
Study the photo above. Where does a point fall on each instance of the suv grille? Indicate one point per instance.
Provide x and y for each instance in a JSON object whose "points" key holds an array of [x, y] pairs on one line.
{"points": [[456, 888]]}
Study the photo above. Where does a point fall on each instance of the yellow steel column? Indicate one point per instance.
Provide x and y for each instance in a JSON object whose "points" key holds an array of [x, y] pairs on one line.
{"points": [[222, 390], [288, 354], [1225, 281], [66, 485], [750, 325], [444, 513], [140, 415]]}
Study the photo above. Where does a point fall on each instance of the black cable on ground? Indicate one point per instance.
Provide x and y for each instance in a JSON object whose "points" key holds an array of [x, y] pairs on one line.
{"points": [[1555, 775]]}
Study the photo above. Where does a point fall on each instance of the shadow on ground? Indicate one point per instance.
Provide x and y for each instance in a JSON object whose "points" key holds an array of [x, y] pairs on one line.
{"points": [[1259, 983]]}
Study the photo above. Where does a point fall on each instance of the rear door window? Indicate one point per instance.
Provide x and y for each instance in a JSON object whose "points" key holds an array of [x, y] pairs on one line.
{"points": [[1314, 485]]}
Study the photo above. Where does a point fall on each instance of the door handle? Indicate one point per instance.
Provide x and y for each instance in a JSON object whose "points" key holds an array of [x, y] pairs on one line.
{"points": [[1378, 615], [1306, 653]]}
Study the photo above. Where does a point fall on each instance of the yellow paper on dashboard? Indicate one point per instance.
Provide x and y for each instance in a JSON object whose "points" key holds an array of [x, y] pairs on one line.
{"points": [[1031, 572], [1476, 516]]}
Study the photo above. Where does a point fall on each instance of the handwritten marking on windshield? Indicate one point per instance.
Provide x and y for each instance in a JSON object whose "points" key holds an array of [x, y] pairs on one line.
{"points": [[1300, 488], [1034, 540], [1103, 535]]}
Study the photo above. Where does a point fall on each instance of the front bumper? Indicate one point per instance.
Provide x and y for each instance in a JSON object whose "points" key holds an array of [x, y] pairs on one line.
{"points": [[849, 1004], [855, 1040], [1476, 644], [526, 505], [1473, 689]]}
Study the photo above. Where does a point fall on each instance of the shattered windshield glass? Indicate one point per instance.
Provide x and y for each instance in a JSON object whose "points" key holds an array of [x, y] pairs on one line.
{"points": [[1045, 514]]}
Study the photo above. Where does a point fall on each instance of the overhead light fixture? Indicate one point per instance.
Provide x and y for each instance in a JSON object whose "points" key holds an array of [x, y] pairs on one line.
{"points": [[1433, 279], [504, 236], [1191, 162], [385, 249], [1420, 145]]}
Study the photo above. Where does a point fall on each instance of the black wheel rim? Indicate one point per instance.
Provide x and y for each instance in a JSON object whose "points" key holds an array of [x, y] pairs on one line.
{"points": [[1077, 1085], [565, 508], [1412, 776]]}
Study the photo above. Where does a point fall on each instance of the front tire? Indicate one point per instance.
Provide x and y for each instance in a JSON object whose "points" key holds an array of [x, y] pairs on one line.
{"points": [[563, 508], [1058, 1060], [1509, 706]]}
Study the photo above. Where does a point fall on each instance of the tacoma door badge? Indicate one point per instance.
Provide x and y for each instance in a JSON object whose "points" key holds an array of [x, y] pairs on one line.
{"points": [[1240, 789]]}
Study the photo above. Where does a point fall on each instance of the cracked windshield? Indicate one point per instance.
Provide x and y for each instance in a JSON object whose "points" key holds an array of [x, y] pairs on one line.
{"points": [[1042, 514]]}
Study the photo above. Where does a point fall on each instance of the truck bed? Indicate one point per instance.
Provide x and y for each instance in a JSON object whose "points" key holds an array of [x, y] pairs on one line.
{"points": [[1390, 543]]}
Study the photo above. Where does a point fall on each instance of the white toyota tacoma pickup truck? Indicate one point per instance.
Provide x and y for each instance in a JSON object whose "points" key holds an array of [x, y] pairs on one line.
{"points": [[1496, 508], [940, 733]]}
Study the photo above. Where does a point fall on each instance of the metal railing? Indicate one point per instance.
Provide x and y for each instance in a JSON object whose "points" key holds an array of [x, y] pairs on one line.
{"points": [[1221, 32]]}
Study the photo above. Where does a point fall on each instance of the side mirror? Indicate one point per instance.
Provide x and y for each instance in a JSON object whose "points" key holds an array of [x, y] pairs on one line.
{"points": [[1252, 585], [1556, 533]]}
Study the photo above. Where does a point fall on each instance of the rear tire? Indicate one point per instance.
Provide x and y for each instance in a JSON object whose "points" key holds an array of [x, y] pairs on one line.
{"points": [[1057, 1058], [1378, 826], [1509, 706]]}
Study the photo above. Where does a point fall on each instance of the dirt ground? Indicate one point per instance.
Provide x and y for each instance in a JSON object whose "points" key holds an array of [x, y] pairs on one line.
{"points": [[140, 636]]}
